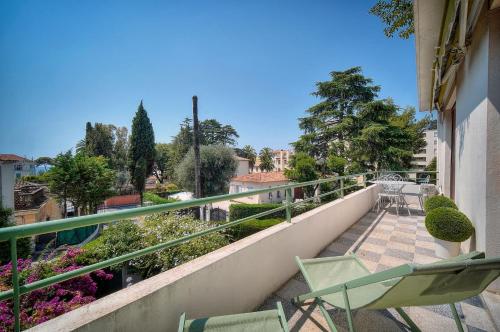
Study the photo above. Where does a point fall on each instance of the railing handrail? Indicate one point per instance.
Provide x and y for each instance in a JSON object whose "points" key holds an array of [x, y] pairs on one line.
{"points": [[101, 218], [16, 232]]}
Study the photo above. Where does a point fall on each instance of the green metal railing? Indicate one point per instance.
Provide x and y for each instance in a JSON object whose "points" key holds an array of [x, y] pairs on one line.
{"points": [[12, 234]]}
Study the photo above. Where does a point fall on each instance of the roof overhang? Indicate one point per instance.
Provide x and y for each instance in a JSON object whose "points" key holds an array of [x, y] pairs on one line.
{"points": [[428, 15]]}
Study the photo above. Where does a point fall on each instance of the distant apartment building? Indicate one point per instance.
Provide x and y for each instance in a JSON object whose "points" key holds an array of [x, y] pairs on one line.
{"points": [[22, 166], [424, 158], [281, 158]]}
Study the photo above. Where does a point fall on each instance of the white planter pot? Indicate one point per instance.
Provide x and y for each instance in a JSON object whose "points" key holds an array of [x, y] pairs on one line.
{"points": [[446, 249]]}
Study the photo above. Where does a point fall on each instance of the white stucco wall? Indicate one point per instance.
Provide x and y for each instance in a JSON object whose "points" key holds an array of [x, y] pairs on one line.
{"points": [[477, 137], [233, 279], [470, 132], [243, 167], [7, 182], [239, 186]]}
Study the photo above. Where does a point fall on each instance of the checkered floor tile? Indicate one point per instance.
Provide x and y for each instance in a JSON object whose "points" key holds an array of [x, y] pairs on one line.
{"points": [[382, 240]]}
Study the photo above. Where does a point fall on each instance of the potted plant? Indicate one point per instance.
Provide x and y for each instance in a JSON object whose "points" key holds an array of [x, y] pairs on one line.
{"points": [[449, 227]]}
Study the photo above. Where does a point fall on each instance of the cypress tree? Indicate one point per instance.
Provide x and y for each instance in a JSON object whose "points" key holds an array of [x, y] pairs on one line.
{"points": [[141, 150]]}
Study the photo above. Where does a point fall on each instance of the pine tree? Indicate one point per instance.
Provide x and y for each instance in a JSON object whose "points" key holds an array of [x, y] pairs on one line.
{"points": [[142, 150]]}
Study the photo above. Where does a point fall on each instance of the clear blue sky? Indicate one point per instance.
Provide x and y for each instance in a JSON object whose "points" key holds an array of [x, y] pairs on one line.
{"points": [[253, 64]]}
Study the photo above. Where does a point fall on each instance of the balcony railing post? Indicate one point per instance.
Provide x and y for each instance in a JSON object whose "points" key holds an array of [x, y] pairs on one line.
{"points": [[15, 282], [364, 180], [288, 194], [342, 188]]}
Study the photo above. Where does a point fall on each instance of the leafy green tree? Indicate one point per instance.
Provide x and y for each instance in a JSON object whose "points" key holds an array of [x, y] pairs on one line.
{"points": [[120, 149], [83, 180], [212, 132], [397, 15], [249, 152], [163, 169], [98, 140], [266, 160], [330, 121], [92, 182], [336, 164], [142, 150], [218, 166], [386, 138], [61, 178], [302, 168], [24, 245], [108, 141], [183, 141]]}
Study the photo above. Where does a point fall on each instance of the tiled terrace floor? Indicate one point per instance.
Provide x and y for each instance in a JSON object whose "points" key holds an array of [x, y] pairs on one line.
{"points": [[382, 240]]}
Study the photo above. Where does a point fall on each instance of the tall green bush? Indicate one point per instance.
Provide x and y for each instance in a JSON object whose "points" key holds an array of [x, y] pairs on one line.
{"points": [[252, 226], [238, 211]]}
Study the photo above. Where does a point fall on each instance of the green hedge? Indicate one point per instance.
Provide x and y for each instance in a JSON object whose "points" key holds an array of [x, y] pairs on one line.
{"points": [[437, 202], [448, 224], [252, 226], [238, 211], [155, 199]]}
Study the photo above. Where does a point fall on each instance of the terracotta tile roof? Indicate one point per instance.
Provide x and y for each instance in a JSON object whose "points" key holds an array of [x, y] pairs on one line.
{"points": [[12, 157], [262, 177]]}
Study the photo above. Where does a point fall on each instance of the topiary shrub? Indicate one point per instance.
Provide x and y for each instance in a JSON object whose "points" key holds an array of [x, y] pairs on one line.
{"points": [[448, 224], [438, 201]]}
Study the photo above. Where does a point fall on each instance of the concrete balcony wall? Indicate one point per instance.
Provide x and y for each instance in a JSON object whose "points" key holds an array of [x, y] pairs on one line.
{"points": [[233, 279]]}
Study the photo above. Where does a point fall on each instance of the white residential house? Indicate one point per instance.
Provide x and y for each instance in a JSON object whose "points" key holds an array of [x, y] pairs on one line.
{"points": [[424, 158], [244, 183], [22, 166], [243, 166], [458, 71]]}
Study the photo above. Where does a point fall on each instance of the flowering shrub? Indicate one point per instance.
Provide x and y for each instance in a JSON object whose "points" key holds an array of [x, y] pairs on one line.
{"points": [[43, 304]]}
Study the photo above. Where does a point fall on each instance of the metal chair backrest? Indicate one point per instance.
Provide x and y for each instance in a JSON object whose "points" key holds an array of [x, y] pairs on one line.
{"points": [[440, 283]]}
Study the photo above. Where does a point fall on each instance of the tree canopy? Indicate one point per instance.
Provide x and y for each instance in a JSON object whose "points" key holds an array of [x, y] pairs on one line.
{"points": [[164, 167], [350, 131], [397, 15], [218, 166], [248, 152], [108, 141], [141, 155], [266, 160], [329, 121], [85, 181], [212, 132]]}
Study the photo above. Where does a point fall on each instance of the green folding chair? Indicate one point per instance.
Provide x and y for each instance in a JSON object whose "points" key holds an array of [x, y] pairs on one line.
{"points": [[261, 321], [344, 282]]}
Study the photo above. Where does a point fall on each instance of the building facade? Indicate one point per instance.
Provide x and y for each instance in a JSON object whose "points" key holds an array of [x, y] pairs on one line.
{"points": [[22, 166], [255, 181], [243, 166], [424, 158], [458, 70], [34, 204], [7, 183], [281, 159]]}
